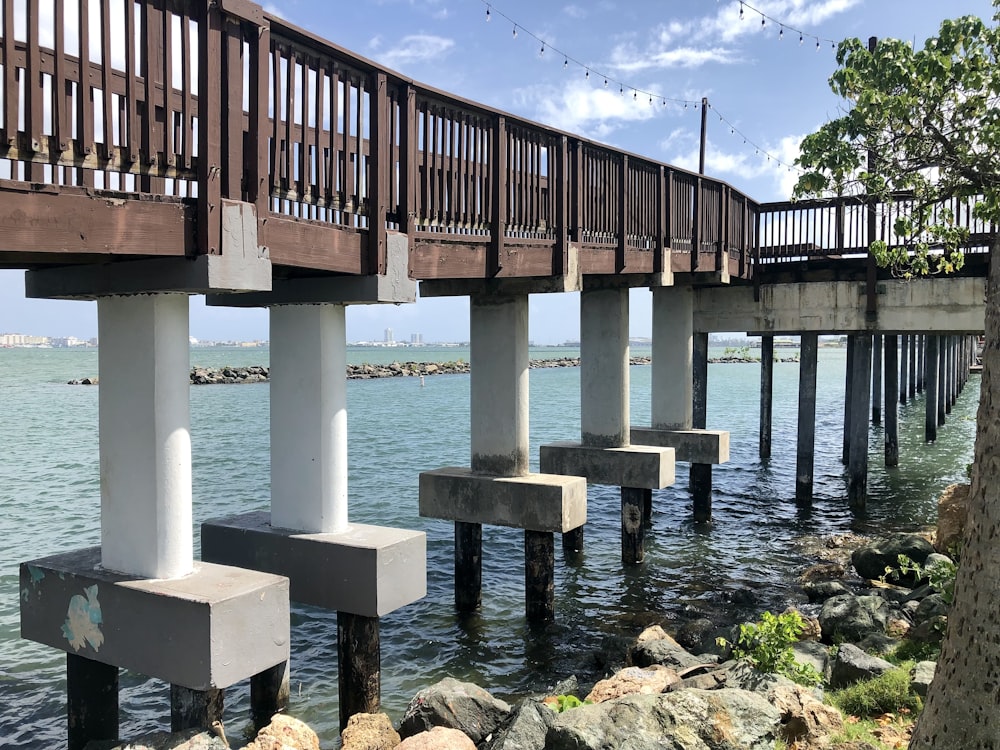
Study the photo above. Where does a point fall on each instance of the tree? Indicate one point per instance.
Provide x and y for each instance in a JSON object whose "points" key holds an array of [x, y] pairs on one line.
{"points": [[927, 121]]}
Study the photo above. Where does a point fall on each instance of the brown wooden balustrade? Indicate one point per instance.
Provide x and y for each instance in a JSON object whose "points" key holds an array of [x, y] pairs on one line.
{"points": [[122, 136]]}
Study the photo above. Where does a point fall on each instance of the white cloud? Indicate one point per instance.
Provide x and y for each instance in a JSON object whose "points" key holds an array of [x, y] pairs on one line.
{"points": [[579, 107], [746, 163], [629, 61], [415, 48], [575, 11]]}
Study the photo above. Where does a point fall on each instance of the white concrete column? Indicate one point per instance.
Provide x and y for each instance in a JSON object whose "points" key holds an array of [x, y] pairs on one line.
{"points": [[309, 418], [499, 385], [145, 438], [604, 368], [673, 362]]}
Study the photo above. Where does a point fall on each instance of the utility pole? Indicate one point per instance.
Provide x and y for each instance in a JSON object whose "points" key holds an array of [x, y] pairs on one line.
{"points": [[704, 134]]}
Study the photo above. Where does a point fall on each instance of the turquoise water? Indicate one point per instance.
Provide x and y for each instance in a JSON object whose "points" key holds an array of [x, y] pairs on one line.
{"points": [[50, 497]]}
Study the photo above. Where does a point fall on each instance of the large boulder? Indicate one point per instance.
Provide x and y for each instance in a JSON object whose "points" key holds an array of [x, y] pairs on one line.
{"points": [[921, 676], [285, 733], [805, 720], [191, 739], [685, 720], [437, 738], [525, 729], [632, 681], [457, 705], [871, 560], [854, 665], [953, 509], [851, 618], [369, 732]]}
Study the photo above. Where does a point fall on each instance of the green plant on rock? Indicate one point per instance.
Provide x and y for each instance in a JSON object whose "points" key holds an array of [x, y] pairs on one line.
{"points": [[888, 693], [940, 575], [560, 703], [767, 645]]}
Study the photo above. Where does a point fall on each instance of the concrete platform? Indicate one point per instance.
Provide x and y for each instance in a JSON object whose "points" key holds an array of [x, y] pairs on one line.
{"points": [[640, 466], [366, 570], [210, 629], [692, 446], [534, 502]]}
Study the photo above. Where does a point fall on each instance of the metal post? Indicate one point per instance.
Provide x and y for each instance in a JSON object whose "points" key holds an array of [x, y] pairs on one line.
{"points": [[807, 419], [91, 701], [766, 393], [931, 391], [857, 489], [359, 656], [891, 406]]}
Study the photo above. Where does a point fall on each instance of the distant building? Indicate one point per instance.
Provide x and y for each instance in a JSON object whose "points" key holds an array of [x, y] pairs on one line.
{"points": [[388, 336], [417, 339]]}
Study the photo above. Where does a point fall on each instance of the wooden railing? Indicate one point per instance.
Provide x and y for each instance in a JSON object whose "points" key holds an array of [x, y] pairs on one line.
{"points": [[217, 100]]}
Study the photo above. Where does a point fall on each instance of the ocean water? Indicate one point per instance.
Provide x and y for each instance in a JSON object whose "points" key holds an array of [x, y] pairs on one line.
{"points": [[50, 500]]}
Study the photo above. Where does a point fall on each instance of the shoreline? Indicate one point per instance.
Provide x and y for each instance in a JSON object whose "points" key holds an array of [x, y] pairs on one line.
{"points": [[367, 371]]}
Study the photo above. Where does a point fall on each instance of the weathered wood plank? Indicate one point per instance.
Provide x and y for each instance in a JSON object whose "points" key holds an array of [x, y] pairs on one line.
{"points": [[308, 244]]}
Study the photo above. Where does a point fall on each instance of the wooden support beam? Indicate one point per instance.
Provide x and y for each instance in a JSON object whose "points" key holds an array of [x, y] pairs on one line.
{"points": [[633, 525], [539, 576], [806, 442], [468, 566], [91, 701], [359, 674], [891, 405], [195, 709], [766, 394]]}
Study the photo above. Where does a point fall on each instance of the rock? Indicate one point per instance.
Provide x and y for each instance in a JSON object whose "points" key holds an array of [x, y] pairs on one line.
{"points": [[285, 733], [897, 627], [613, 652], [871, 560], [953, 508], [526, 728], [811, 629], [879, 644], [805, 720], [854, 665], [930, 630], [822, 590], [822, 572], [813, 653], [694, 633], [685, 720], [666, 652], [851, 618], [632, 681], [921, 676], [437, 738], [191, 739], [369, 732], [931, 607], [457, 705]]}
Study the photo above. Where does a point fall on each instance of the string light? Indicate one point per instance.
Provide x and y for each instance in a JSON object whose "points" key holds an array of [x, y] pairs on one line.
{"points": [[764, 18], [695, 106]]}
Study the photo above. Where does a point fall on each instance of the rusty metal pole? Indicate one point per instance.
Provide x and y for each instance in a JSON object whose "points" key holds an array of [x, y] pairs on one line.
{"points": [[704, 135]]}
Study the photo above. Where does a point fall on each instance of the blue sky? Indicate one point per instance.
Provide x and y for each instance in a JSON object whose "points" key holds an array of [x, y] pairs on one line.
{"points": [[766, 89]]}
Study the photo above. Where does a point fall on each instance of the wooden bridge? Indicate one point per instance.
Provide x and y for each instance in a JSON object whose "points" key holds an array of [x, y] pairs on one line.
{"points": [[158, 148]]}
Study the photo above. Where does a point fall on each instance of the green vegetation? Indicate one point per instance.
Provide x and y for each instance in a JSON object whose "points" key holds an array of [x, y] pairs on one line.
{"points": [[560, 703], [888, 693], [940, 575], [767, 645]]}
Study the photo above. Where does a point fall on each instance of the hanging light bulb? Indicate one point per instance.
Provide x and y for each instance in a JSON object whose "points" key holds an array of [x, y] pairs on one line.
{"points": [[605, 83], [741, 11], [587, 74], [635, 94], [763, 21], [565, 63], [515, 31], [541, 52], [800, 38], [650, 101], [488, 17], [621, 90], [781, 33], [817, 45]]}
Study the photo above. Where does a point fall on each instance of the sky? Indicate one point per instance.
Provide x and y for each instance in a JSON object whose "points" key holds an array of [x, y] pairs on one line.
{"points": [[766, 90]]}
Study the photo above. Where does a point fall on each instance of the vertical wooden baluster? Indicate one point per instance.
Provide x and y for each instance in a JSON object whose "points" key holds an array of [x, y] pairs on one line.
{"points": [[305, 188], [258, 187], [187, 126], [321, 197], [210, 51], [378, 178], [360, 162], [11, 99], [61, 98], [335, 180], [288, 161], [232, 158], [107, 127]]}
